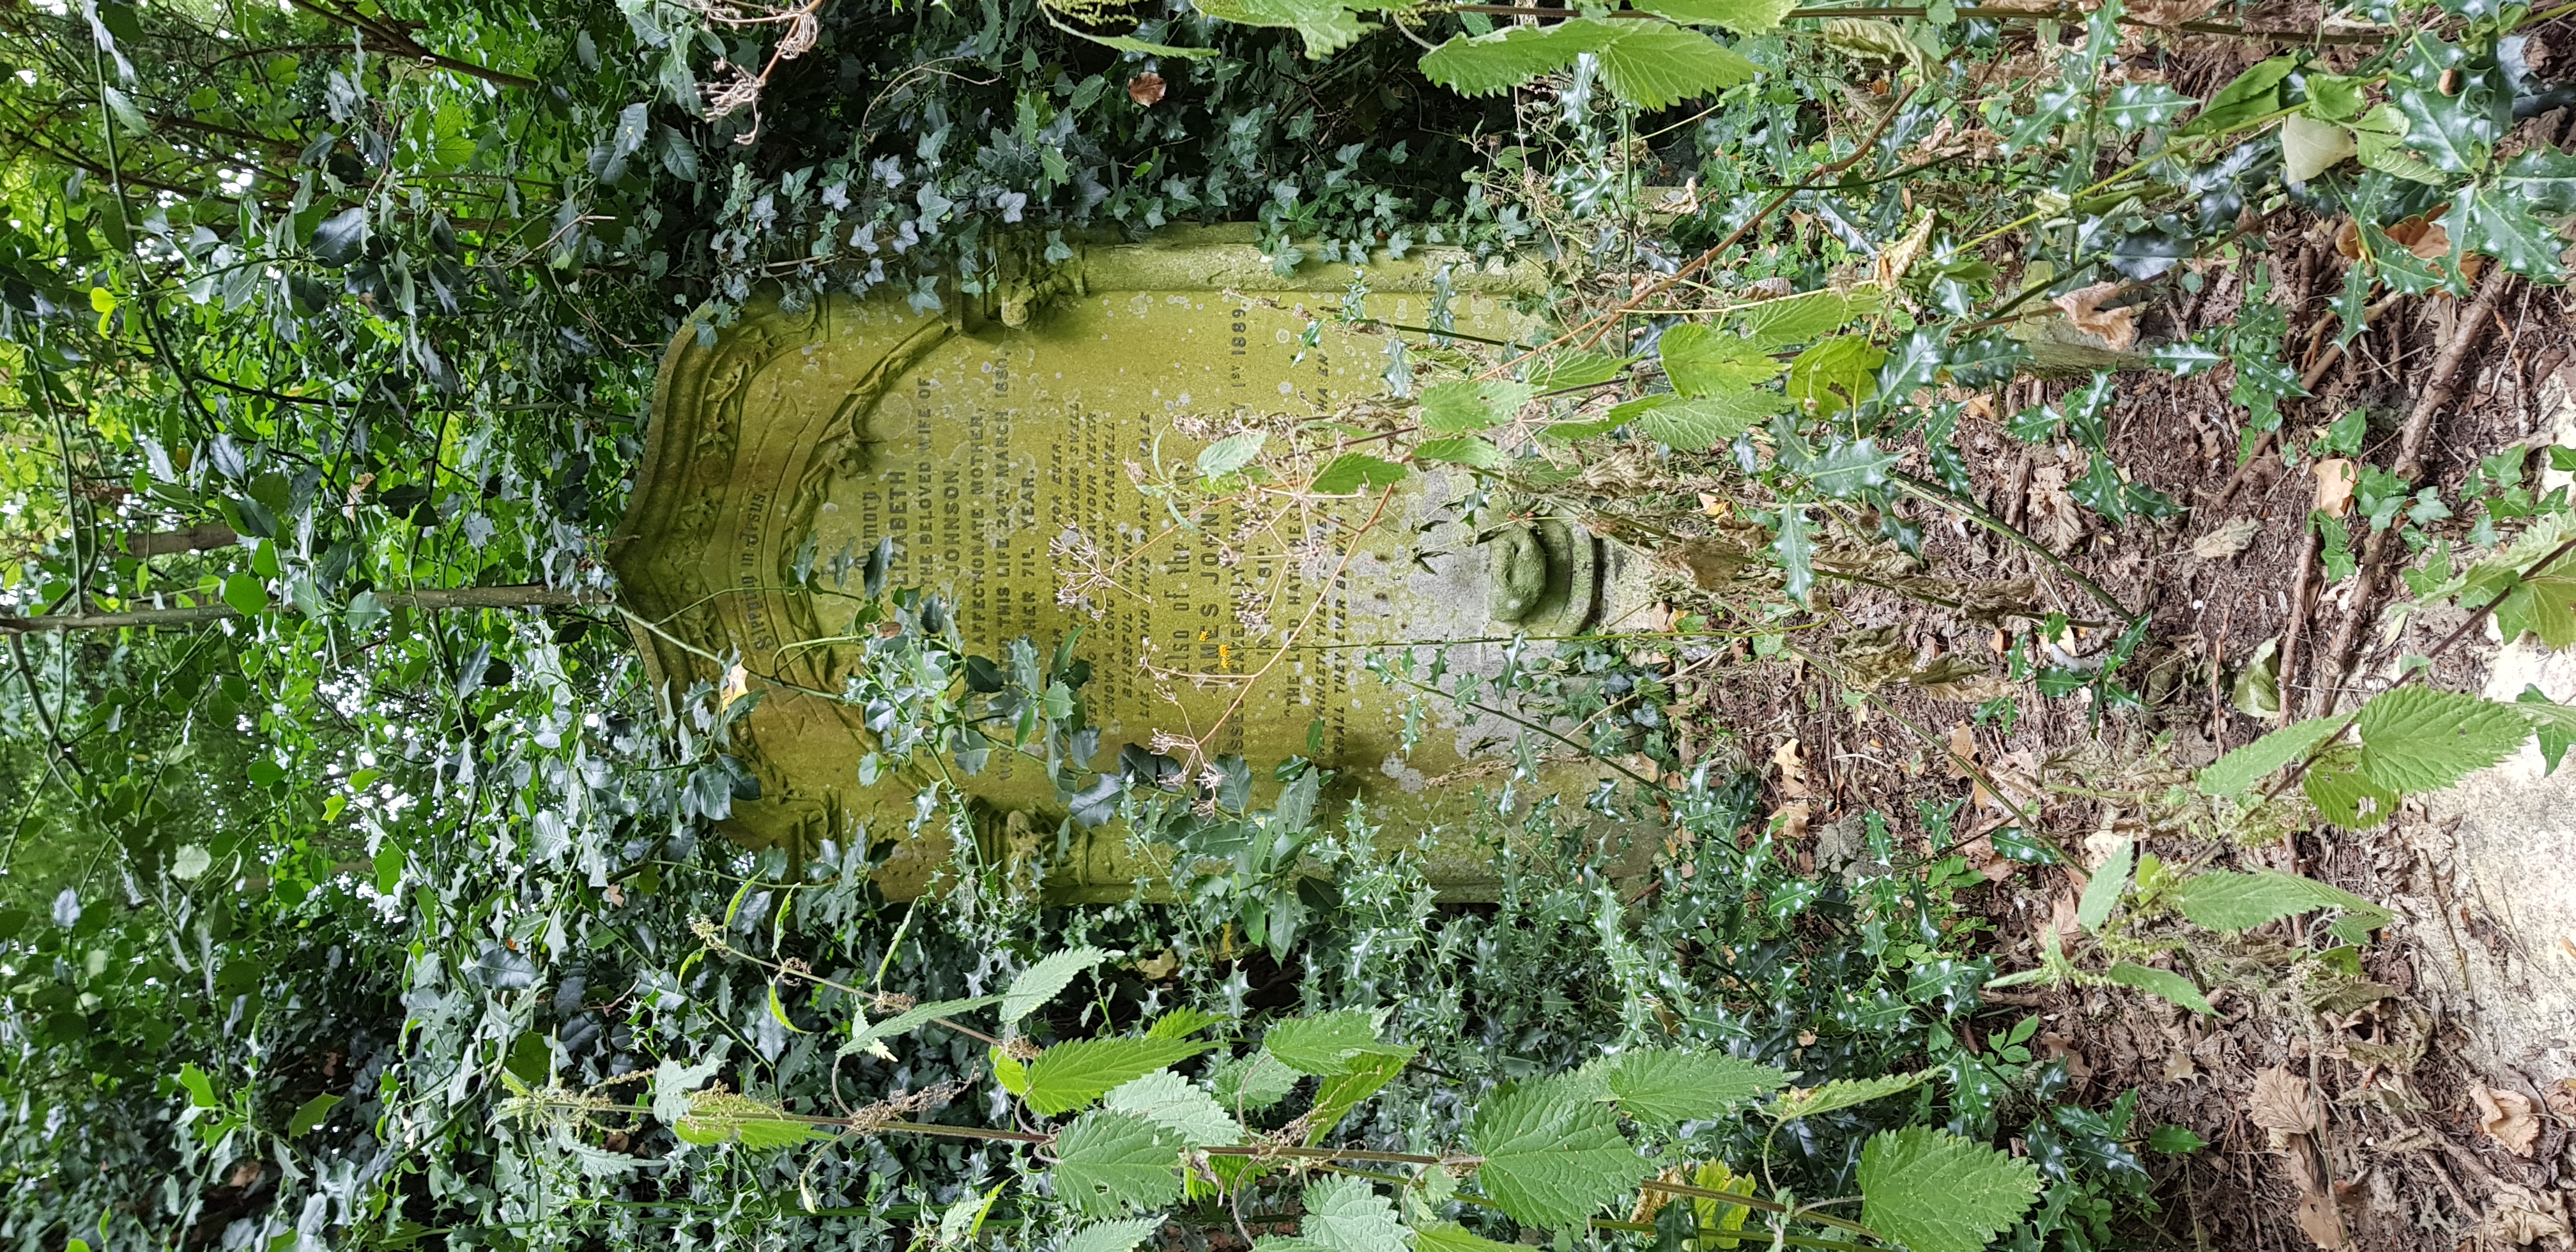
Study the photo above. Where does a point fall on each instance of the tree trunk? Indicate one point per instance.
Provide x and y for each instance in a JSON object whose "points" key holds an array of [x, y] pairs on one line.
{"points": [[433, 599], [171, 542]]}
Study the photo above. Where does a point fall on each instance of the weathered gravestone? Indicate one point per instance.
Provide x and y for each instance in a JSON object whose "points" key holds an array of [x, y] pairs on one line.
{"points": [[989, 440]]}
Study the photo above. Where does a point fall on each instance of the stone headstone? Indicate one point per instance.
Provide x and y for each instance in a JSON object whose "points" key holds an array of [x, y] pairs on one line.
{"points": [[991, 440]]}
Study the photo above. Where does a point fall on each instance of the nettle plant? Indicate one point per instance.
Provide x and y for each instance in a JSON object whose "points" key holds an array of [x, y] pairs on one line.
{"points": [[1114, 1133]]}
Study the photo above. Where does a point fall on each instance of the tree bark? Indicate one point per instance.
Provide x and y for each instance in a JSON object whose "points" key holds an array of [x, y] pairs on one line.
{"points": [[433, 599], [171, 542]]}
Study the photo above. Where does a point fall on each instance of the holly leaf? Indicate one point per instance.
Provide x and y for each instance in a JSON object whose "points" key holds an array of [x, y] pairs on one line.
{"points": [[1850, 467], [1108, 1162], [1553, 1155], [2418, 739], [1069, 1076], [1795, 545], [1934, 1191], [1668, 1086], [2501, 226], [1744, 17], [2542, 178], [2136, 106]]}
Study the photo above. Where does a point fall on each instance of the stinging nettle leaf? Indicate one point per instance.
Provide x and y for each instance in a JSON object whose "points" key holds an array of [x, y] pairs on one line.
{"points": [[1327, 1043], [1666, 1086], [1744, 17], [2160, 982], [1357, 471], [2227, 900], [1039, 983], [1842, 1093], [1553, 1154], [1452, 408], [911, 1019], [1230, 454], [1069, 1076], [2418, 739], [2103, 891], [1346, 1214], [1339, 1093], [2238, 771], [1108, 1162], [1173, 1103], [1933, 1191], [1704, 422], [1117, 1236]]}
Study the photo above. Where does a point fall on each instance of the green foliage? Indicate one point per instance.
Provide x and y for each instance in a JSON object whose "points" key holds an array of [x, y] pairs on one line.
{"points": [[1348, 1215], [1112, 1236], [1171, 1102], [1071, 1075], [1328, 1043], [1664, 1087], [2160, 982], [1933, 1191], [1842, 1093], [1553, 1156], [1108, 1162], [2416, 739], [2229, 900], [1041, 982]]}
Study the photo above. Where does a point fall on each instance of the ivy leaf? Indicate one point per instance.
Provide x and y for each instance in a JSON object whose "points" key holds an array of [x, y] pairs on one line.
{"points": [[1553, 1156], [2136, 106], [1703, 362], [2555, 722], [1117, 1236], [2161, 982], [1339, 1093], [1453, 408], [1850, 467], [1345, 1214], [1934, 1191], [1230, 454], [1842, 1093], [2226, 900], [1327, 1043], [1669, 1086], [1039, 983], [1171, 1102], [2239, 770], [2417, 739], [1744, 17], [1070, 1075], [1795, 545], [1700, 423], [1356, 471], [1107, 1162], [2506, 228], [2255, 92]]}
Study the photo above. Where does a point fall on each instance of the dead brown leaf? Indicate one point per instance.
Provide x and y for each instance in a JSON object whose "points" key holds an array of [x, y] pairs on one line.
{"points": [[1792, 820], [2282, 1101], [2336, 478], [2317, 1215], [1976, 688], [2507, 1118], [2523, 1215], [2054, 518], [1793, 769], [1963, 749], [2168, 12], [1146, 89], [2228, 540], [1981, 853], [2561, 1096], [2117, 328]]}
